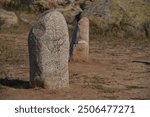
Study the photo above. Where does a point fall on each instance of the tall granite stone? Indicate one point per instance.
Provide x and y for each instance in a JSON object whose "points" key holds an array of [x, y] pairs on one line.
{"points": [[49, 51], [81, 51]]}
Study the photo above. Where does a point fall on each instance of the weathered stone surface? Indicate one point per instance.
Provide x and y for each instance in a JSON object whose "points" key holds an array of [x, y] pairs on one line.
{"points": [[49, 51], [81, 51], [8, 18]]}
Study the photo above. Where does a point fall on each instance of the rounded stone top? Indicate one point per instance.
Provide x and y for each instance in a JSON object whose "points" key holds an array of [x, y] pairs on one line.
{"points": [[51, 22]]}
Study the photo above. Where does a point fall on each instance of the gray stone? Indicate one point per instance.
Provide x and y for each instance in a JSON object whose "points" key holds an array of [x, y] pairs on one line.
{"points": [[49, 51]]}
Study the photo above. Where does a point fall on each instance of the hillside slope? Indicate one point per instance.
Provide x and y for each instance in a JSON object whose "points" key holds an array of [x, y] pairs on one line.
{"points": [[121, 18]]}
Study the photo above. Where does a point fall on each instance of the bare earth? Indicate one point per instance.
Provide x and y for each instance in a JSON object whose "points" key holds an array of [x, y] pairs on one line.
{"points": [[116, 70]]}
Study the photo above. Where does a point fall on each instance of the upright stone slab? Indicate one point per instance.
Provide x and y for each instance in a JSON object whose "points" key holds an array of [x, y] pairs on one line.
{"points": [[49, 51], [81, 51]]}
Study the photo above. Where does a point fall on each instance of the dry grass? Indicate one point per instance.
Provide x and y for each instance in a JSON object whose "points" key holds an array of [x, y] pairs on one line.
{"points": [[10, 48]]}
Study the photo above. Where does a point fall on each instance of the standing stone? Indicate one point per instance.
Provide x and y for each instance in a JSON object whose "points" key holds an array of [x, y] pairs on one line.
{"points": [[81, 51], [49, 51]]}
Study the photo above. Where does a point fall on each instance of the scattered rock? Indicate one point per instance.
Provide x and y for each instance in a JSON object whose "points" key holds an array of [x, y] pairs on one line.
{"points": [[8, 18], [49, 51], [118, 18]]}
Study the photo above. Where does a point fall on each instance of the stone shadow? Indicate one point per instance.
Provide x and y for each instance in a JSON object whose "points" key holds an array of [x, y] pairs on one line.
{"points": [[15, 83], [143, 62]]}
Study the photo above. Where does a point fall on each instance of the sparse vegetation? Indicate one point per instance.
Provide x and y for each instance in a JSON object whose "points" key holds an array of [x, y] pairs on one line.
{"points": [[7, 49]]}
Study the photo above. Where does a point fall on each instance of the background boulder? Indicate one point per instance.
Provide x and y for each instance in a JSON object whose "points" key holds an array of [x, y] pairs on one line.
{"points": [[7, 18], [121, 18]]}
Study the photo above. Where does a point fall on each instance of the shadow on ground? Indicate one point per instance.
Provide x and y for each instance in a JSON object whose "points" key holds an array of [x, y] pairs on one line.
{"points": [[143, 62], [19, 84]]}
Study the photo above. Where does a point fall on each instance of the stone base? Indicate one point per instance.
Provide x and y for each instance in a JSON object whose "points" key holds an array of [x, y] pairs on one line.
{"points": [[81, 52]]}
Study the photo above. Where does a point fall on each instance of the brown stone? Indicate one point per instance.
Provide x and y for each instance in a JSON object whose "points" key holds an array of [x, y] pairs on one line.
{"points": [[81, 51]]}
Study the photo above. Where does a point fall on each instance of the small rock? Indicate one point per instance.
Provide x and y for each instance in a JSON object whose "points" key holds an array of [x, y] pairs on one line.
{"points": [[8, 18]]}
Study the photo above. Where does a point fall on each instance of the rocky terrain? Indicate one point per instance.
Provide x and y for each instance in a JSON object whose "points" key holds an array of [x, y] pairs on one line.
{"points": [[119, 64]]}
